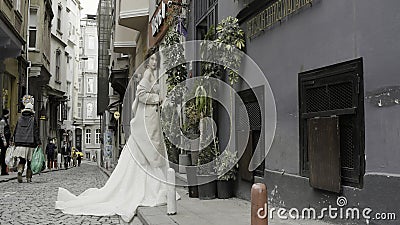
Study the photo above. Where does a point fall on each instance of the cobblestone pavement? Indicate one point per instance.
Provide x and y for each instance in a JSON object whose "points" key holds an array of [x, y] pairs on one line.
{"points": [[33, 203]]}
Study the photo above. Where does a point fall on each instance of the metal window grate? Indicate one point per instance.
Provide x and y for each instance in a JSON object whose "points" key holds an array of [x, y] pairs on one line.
{"points": [[254, 114], [253, 109], [329, 97], [341, 95], [316, 99], [346, 142]]}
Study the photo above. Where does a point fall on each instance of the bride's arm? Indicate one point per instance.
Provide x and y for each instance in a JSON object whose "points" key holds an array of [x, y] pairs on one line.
{"points": [[143, 92]]}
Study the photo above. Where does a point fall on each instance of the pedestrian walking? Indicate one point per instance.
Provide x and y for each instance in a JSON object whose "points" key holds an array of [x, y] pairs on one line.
{"points": [[59, 159], [5, 135], [26, 138], [79, 158], [73, 154], [66, 152], [50, 150], [55, 155]]}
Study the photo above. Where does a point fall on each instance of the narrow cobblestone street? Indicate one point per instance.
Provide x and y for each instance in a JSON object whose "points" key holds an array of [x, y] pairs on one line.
{"points": [[33, 203]]}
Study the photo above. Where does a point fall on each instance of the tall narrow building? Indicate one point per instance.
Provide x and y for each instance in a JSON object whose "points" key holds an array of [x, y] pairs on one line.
{"points": [[86, 121], [39, 54], [73, 9]]}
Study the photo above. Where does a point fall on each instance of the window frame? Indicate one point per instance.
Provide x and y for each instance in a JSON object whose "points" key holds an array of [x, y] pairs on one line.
{"points": [[91, 89], [88, 136], [58, 65], [79, 109], [98, 136], [59, 11], [33, 28], [80, 85], [89, 115]]}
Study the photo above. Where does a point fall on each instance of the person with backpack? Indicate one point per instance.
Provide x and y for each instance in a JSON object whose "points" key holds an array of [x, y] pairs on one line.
{"points": [[26, 138], [5, 135]]}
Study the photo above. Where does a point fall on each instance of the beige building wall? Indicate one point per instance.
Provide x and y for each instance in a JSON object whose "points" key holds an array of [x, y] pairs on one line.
{"points": [[14, 13]]}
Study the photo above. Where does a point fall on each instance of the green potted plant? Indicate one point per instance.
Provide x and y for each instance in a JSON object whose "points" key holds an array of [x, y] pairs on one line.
{"points": [[206, 175], [226, 168]]}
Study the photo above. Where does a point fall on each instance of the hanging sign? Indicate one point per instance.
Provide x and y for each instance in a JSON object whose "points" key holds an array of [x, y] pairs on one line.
{"points": [[158, 20], [158, 25], [275, 13]]}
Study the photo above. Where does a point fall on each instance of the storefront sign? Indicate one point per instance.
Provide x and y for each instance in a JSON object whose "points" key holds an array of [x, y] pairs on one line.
{"points": [[158, 25], [64, 111], [273, 14], [158, 19]]}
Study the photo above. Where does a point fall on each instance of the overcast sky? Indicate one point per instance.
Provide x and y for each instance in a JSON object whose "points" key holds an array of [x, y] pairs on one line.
{"points": [[89, 7]]}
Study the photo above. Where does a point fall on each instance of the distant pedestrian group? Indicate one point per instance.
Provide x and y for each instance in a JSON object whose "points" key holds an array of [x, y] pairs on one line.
{"points": [[17, 149]]}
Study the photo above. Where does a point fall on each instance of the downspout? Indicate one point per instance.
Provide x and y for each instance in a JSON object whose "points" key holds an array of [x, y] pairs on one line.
{"points": [[26, 48]]}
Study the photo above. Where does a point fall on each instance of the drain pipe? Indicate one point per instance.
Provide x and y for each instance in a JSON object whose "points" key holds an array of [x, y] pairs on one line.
{"points": [[26, 48]]}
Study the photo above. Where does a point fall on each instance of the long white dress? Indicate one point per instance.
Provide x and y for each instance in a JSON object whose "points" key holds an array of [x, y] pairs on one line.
{"points": [[140, 175]]}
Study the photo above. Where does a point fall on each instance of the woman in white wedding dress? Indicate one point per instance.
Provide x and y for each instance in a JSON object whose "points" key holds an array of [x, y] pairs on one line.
{"points": [[139, 179]]}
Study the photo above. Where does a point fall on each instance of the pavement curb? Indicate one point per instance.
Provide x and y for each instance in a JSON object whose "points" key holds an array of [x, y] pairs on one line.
{"points": [[141, 217]]}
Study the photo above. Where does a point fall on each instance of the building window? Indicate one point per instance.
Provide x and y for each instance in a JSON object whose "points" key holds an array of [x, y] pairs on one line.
{"points": [[80, 85], [79, 110], [59, 18], [17, 5], [58, 62], [98, 133], [332, 111], [90, 85], [91, 42], [89, 110], [206, 20], [32, 27], [203, 7], [69, 89], [90, 64], [88, 134]]}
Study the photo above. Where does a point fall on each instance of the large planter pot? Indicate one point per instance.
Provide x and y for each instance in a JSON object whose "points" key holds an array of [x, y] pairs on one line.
{"points": [[225, 188], [184, 161], [207, 186], [191, 172]]}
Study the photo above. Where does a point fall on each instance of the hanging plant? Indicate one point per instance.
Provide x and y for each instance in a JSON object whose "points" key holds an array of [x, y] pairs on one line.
{"points": [[174, 56]]}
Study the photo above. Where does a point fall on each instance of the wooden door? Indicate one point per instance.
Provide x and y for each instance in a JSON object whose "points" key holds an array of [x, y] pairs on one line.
{"points": [[324, 153]]}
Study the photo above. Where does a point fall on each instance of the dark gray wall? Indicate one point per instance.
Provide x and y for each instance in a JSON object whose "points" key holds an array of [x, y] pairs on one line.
{"points": [[324, 34], [292, 191], [329, 32]]}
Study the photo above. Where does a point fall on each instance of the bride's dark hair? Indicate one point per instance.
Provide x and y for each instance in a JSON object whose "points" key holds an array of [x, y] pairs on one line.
{"points": [[150, 52]]}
